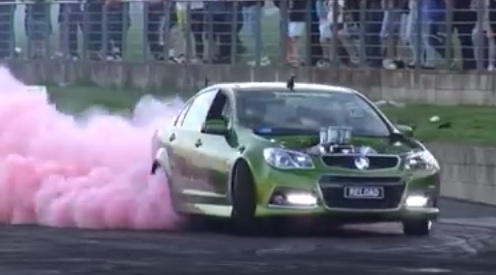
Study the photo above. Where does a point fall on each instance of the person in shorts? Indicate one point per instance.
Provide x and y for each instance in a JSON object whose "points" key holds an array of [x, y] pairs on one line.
{"points": [[350, 31], [323, 9], [296, 26]]}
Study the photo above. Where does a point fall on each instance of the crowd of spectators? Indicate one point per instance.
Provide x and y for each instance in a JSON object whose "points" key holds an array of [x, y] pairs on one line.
{"points": [[375, 33]]}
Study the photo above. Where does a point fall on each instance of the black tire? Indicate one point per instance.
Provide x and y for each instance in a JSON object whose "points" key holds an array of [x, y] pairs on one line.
{"points": [[417, 228], [243, 196]]}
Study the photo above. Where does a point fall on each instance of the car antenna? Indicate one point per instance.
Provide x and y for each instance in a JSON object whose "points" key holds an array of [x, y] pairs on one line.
{"points": [[291, 83]]}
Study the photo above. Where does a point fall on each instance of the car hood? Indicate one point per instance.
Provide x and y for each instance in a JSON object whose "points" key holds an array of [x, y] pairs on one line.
{"points": [[381, 145]]}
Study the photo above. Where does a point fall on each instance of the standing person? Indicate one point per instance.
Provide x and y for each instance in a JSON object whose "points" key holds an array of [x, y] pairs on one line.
{"points": [[69, 19], [95, 28], [253, 11], [38, 27], [492, 33], [350, 31], [323, 9], [331, 14], [481, 37], [434, 15], [221, 14], [117, 25], [464, 19], [314, 37], [390, 35], [154, 12], [427, 18], [373, 26], [7, 33], [197, 27], [296, 26]]}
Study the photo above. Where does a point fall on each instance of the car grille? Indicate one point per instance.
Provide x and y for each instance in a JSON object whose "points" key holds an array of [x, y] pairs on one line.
{"points": [[348, 162], [333, 192]]}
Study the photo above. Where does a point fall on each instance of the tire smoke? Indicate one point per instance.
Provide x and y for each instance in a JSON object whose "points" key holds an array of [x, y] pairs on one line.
{"points": [[90, 172]]}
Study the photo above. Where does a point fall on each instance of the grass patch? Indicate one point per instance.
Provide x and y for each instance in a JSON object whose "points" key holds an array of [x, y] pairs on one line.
{"points": [[469, 124]]}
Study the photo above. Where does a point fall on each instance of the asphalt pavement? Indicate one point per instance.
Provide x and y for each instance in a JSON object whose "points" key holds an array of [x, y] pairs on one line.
{"points": [[464, 242]]}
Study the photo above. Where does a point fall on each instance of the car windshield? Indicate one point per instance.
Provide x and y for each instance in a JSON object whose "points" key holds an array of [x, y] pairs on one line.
{"points": [[308, 110]]}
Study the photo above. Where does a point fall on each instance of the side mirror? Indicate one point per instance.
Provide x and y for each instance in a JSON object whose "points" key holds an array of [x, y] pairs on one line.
{"points": [[215, 127], [405, 129]]}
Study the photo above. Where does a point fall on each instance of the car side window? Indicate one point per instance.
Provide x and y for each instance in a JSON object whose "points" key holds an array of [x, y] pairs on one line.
{"points": [[221, 107], [197, 112]]}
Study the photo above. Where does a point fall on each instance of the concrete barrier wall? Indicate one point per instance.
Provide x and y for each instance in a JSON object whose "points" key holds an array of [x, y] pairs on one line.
{"points": [[408, 85], [469, 173]]}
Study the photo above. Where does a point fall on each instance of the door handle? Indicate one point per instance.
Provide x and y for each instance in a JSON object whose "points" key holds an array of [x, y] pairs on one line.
{"points": [[198, 143], [172, 137]]}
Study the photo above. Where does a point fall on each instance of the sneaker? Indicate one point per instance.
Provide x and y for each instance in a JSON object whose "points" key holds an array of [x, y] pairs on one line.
{"points": [[389, 64], [323, 63]]}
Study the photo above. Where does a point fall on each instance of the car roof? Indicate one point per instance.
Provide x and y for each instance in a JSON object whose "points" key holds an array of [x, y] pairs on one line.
{"points": [[270, 86]]}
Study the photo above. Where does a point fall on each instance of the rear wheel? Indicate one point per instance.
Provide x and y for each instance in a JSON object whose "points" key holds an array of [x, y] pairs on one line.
{"points": [[243, 194], [421, 227]]}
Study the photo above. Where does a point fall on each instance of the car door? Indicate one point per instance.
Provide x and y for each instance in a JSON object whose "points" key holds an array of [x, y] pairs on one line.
{"points": [[169, 140], [217, 153], [187, 179]]}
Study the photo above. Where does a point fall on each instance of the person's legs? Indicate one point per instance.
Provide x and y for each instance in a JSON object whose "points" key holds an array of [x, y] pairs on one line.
{"points": [[7, 42], [388, 38], [95, 27], [154, 14], [373, 26], [75, 16], [345, 35], [481, 45], [412, 37], [115, 30], [223, 29], [238, 10], [492, 35], [295, 30], [250, 15], [325, 39], [464, 30], [430, 51], [197, 26]]}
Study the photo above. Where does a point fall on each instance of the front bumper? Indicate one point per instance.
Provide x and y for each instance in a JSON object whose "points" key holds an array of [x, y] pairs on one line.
{"points": [[352, 215], [420, 184]]}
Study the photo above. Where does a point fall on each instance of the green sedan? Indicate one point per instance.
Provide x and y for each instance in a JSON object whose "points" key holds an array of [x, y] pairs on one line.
{"points": [[261, 151]]}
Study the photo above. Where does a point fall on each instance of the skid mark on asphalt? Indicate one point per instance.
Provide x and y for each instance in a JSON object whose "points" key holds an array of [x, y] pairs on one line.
{"points": [[455, 245]]}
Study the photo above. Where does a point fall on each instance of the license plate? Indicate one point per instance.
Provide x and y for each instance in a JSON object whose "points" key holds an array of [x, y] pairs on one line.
{"points": [[358, 192]]}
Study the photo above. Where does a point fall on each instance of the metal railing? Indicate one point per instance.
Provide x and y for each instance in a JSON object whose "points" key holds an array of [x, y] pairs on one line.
{"points": [[361, 33]]}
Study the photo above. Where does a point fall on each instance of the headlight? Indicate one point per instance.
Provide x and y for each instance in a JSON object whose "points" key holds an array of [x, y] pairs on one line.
{"points": [[422, 160], [287, 159]]}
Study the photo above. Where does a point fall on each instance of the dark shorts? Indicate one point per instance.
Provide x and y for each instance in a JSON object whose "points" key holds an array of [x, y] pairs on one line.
{"points": [[71, 12]]}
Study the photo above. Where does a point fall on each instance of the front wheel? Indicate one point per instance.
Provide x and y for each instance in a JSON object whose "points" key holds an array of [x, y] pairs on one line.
{"points": [[420, 227], [243, 201]]}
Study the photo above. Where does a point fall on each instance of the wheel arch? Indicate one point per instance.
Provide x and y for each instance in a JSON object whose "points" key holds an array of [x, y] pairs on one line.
{"points": [[232, 173]]}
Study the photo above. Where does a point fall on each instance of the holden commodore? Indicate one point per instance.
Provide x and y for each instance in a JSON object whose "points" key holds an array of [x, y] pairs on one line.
{"points": [[251, 151]]}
